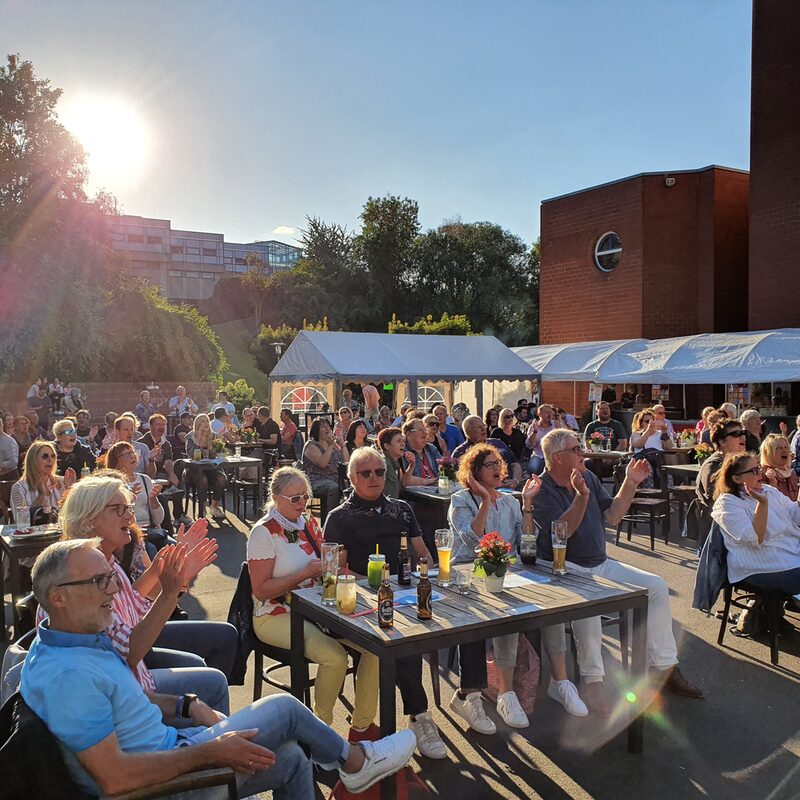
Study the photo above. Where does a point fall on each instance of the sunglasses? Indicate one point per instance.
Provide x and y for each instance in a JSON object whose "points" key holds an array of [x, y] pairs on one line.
{"points": [[296, 498], [756, 470], [47, 456], [100, 581], [661, 413], [70, 432], [432, 424], [123, 508], [739, 434], [368, 473]]}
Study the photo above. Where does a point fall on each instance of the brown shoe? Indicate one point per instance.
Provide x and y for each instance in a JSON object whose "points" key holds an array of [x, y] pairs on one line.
{"points": [[370, 734], [673, 681], [597, 699]]}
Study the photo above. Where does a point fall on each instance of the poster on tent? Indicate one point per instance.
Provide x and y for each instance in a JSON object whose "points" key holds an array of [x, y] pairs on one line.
{"points": [[659, 393], [595, 392]]}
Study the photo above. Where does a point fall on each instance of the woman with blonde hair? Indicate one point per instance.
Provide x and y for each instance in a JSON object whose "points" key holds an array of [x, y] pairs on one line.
{"points": [[283, 553], [776, 465], [200, 438], [102, 506], [40, 487]]}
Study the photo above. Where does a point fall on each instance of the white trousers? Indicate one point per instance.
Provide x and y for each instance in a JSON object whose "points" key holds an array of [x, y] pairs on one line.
{"points": [[662, 651]]}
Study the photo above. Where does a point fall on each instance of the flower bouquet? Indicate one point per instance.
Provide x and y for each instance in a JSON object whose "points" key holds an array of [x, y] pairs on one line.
{"points": [[217, 447], [447, 472], [687, 438], [248, 436], [702, 452], [595, 440], [492, 557]]}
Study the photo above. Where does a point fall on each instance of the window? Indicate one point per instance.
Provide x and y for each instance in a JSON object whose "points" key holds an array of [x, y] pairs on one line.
{"points": [[136, 237], [240, 261], [155, 240], [176, 250], [209, 251], [607, 252], [191, 274], [207, 275], [193, 251], [175, 273]]}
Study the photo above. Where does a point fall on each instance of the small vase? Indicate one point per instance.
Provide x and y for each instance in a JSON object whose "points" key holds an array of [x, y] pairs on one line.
{"points": [[445, 484], [494, 584], [595, 448]]}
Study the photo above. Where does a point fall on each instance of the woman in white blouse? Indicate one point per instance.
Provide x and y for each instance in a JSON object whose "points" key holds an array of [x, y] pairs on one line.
{"points": [[761, 527], [283, 554], [40, 487]]}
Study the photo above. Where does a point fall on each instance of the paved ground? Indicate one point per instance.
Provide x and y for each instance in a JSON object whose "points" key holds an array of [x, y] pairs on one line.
{"points": [[742, 741]]}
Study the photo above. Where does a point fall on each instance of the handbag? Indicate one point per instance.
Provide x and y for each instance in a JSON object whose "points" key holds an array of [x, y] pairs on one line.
{"points": [[526, 675]]}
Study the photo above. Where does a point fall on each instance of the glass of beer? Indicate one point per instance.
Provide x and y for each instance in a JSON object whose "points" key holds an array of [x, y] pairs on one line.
{"points": [[346, 594], [330, 569], [197, 455], [444, 547], [558, 531]]}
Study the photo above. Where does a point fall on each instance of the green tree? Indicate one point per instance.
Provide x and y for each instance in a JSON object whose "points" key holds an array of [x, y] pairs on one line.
{"points": [[256, 283], [263, 347], [239, 392], [457, 325]]}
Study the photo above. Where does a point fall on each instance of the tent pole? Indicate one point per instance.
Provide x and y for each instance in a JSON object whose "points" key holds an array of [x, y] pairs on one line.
{"points": [[685, 412], [574, 400], [479, 396]]}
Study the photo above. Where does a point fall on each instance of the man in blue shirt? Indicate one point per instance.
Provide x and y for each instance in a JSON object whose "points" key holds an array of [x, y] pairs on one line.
{"points": [[451, 434], [113, 735], [573, 495]]}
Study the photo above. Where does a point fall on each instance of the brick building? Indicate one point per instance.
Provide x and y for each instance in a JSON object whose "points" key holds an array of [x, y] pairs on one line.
{"points": [[775, 166], [651, 256]]}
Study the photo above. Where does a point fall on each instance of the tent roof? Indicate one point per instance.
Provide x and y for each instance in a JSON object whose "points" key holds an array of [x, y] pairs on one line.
{"points": [[324, 355], [746, 357]]}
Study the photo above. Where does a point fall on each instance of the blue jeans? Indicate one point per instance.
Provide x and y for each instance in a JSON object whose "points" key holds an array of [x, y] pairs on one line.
{"points": [[536, 465], [214, 642], [787, 581], [283, 723], [210, 685]]}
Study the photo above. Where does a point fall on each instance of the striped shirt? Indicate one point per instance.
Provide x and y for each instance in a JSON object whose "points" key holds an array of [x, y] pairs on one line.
{"points": [[780, 550]]}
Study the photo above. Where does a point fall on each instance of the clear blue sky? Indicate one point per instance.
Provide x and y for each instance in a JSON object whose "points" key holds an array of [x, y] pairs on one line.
{"points": [[261, 113]]}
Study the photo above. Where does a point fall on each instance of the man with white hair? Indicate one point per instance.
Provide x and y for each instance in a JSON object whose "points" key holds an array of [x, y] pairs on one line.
{"points": [[544, 422], [661, 418], [475, 431], [113, 735], [572, 494]]}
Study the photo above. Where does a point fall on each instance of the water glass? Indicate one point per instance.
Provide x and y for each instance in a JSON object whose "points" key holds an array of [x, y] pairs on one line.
{"points": [[462, 579], [330, 569], [22, 517]]}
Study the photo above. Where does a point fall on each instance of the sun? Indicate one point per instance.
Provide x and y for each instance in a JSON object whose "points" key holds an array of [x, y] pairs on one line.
{"points": [[115, 135]]}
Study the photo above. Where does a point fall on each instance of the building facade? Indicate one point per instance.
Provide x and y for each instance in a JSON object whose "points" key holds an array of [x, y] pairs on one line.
{"points": [[188, 264]]}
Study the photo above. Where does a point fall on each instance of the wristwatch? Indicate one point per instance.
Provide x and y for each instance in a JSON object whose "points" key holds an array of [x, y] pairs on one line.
{"points": [[185, 702]]}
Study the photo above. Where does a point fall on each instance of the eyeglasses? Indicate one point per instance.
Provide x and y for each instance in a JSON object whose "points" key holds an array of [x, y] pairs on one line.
{"points": [[740, 434], [416, 430], [432, 424], [123, 508], [756, 470], [100, 581], [661, 413], [368, 473], [296, 498], [491, 464], [70, 432], [577, 450], [48, 456]]}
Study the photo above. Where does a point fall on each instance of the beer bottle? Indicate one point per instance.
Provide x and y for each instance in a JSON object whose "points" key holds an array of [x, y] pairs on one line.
{"points": [[404, 562], [385, 601], [424, 591], [85, 472]]}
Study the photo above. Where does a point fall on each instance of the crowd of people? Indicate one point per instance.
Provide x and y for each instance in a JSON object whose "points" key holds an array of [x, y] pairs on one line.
{"points": [[153, 685]]}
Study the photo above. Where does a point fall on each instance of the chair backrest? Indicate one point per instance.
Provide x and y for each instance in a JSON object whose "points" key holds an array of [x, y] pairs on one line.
{"points": [[298, 443]]}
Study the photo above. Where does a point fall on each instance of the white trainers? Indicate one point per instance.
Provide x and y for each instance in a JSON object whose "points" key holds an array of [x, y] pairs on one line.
{"points": [[381, 759], [564, 692], [510, 710], [429, 743], [217, 512], [471, 709]]}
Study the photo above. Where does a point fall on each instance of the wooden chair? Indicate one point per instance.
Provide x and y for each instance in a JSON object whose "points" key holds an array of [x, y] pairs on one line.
{"points": [[773, 601], [683, 496], [647, 509], [6, 511]]}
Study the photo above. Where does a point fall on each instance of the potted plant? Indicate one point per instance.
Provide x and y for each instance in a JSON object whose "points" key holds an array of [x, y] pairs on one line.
{"points": [[595, 441], [217, 448], [492, 557], [687, 438], [248, 436], [447, 473], [702, 452]]}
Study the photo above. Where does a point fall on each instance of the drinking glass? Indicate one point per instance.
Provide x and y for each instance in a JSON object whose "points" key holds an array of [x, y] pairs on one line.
{"points": [[462, 578], [346, 594], [558, 530], [22, 517], [444, 547], [197, 455], [527, 548], [330, 569], [375, 570]]}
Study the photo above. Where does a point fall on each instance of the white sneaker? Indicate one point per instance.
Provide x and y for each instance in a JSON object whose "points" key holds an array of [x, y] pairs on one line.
{"points": [[429, 743], [564, 692], [471, 709], [217, 512], [381, 759], [510, 710]]}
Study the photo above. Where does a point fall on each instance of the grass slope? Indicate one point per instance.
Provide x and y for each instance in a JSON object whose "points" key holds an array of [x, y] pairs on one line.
{"points": [[235, 338]]}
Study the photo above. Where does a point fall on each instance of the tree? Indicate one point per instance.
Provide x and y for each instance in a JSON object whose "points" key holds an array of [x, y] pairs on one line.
{"points": [[239, 392], [263, 347], [256, 283], [457, 325]]}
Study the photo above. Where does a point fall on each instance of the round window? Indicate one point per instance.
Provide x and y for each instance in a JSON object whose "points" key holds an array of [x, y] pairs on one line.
{"points": [[607, 252]]}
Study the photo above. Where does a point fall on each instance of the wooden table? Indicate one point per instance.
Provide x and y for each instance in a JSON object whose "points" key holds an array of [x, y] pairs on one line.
{"points": [[459, 619], [15, 548], [226, 464], [683, 470]]}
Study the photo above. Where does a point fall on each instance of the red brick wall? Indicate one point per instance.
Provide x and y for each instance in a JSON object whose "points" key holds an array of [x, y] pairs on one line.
{"points": [[578, 302], [775, 166]]}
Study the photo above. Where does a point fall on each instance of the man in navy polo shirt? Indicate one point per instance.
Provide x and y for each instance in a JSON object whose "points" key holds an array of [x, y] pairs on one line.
{"points": [[114, 736]]}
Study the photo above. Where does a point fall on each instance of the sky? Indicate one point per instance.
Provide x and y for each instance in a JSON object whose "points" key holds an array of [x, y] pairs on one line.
{"points": [[244, 118]]}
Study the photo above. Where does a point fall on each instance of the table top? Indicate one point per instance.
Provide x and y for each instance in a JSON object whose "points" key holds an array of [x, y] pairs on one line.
{"points": [[605, 454], [433, 494], [539, 594], [690, 469], [31, 541], [225, 461]]}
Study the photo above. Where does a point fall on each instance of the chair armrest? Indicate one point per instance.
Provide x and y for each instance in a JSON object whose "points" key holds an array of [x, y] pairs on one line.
{"points": [[191, 781]]}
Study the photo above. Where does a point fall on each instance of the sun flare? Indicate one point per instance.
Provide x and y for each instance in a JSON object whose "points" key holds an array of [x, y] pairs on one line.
{"points": [[116, 137]]}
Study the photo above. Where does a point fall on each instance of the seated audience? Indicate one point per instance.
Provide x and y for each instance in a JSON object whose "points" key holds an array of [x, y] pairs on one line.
{"points": [[39, 423], [713, 418], [384, 418], [510, 435], [776, 465], [224, 402], [572, 494], [181, 402], [55, 393], [492, 419], [752, 423], [401, 415], [451, 434], [348, 401], [368, 519], [22, 436], [283, 553], [322, 454], [288, 432], [479, 508], [84, 427], [729, 410], [165, 464], [269, 434], [73, 402], [41, 487], [649, 439], [610, 428], [105, 431], [71, 452], [433, 434], [760, 526], [144, 410], [204, 480], [124, 431], [660, 413], [794, 441], [459, 412], [179, 434], [344, 421], [356, 435], [9, 455], [421, 456], [539, 427], [392, 444], [566, 420], [122, 738], [702, 423], [475, 431], [222, 426]]}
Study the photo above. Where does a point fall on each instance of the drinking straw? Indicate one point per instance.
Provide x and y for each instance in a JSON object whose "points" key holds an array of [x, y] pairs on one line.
{"points": [[377, 550], [347, 570]]}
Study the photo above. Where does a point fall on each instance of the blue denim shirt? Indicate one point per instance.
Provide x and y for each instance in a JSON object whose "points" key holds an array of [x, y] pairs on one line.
{"points": [[84, 691]]}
